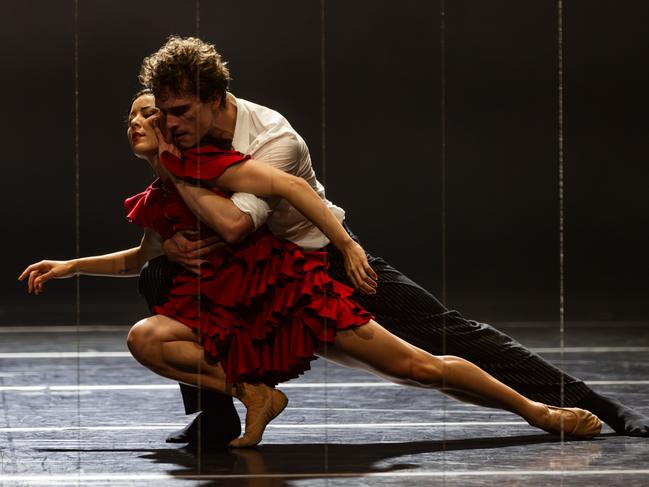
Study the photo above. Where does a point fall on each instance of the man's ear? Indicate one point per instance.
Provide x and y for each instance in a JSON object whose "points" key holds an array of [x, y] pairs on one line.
{"points": [[215, 102]]}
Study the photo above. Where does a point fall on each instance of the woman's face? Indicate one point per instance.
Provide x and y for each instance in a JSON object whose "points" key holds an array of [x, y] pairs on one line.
{"points": [[140, 132]]}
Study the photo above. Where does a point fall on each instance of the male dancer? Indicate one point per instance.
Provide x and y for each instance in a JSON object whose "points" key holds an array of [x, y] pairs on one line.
{"points": [[190, 82]]}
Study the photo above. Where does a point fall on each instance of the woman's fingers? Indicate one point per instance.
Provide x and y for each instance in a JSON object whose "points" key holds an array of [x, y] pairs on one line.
{"points": [[33, 272], [30, 282], [371, 273], [163, 145], [40, 280], [38, 266], [37, 279], [366, 288], [366, 277], [158, 133], [41, 272], [26, 272], [361, 281], [364, 274], [359, 270]]}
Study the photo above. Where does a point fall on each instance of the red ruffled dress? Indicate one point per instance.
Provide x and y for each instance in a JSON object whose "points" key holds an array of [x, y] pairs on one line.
{"points": [[260, 306]]}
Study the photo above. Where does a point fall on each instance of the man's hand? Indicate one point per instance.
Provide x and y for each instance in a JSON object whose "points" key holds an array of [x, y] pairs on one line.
{"points": [[188, 253], [358, 269], [43, 271]]}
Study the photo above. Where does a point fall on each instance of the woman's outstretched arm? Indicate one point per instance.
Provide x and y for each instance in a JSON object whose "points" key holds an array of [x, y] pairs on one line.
{"points": [[125, 263]]}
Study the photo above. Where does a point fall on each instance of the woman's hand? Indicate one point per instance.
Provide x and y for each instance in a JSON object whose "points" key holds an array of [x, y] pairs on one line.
{"points": [[163, 145], [358, 268], [45, 270]]}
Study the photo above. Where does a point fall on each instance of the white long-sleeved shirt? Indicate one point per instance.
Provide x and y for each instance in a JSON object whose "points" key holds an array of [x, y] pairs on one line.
{"points": [[268, 137]]}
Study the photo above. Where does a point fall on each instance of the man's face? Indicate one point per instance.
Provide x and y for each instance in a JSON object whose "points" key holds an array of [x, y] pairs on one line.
{"points": [[187, 119]]}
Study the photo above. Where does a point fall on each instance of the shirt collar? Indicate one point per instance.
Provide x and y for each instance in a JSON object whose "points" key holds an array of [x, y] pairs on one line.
{"points": [[241, 137]]}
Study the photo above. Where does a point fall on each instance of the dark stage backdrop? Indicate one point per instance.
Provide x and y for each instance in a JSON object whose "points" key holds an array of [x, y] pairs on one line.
{"points": [[479, 228]]}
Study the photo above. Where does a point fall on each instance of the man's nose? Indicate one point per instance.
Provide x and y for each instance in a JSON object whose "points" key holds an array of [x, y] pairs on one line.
{"points": [[171, 123]]}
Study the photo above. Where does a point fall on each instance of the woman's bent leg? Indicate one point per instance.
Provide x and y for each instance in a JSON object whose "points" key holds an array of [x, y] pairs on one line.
{"points": [[373, 348], [171, 349], [218, 422]]}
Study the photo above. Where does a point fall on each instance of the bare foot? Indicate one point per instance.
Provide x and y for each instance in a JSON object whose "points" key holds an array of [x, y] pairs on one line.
{"points": [[574, 422], [263, 404]]}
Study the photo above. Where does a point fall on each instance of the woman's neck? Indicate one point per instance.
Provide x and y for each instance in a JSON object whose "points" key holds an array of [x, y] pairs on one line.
{"points": [[158, 168]]}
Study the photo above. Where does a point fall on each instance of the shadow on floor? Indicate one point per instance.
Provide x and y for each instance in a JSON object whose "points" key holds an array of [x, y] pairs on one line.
{"points": [[271, 465]]}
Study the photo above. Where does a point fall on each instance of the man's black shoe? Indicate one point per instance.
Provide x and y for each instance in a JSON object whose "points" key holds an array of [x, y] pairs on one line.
{"points": [[208, 429], [624, 420]]}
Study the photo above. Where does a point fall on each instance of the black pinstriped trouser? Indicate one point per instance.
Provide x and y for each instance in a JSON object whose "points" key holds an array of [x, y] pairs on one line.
{"points": [[412, 313]]}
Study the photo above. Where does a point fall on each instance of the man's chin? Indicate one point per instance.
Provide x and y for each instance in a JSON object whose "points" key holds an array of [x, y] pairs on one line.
{"points": [[183, 145]]}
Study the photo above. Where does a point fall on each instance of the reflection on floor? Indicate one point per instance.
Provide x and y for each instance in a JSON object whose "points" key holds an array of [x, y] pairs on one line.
{"points": [[76, 409]]}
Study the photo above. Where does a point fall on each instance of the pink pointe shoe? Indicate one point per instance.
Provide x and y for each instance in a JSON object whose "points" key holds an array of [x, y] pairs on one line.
{"points": [[587, 425], [263, 404]]}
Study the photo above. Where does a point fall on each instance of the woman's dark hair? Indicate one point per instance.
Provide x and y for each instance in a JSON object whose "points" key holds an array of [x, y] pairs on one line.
{"points": [[143, 91]]}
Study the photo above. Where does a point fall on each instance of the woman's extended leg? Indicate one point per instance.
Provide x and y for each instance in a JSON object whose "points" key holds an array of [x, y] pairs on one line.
{"points": [[171, 349], [373, 348]]}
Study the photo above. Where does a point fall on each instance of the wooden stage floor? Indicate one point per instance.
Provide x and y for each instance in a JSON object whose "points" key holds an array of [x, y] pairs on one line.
{"points": [[76, 409]]}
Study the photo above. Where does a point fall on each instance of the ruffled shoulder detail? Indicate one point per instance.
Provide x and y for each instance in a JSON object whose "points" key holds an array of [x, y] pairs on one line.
{"points": [[201, 163], [136, 205]]}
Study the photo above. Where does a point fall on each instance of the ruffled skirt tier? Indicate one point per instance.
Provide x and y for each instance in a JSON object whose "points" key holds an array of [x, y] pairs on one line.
{"points": [[262, 307]]}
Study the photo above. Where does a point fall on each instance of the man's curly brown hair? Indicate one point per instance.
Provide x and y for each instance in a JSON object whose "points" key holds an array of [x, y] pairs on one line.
{"points": [[186, 66]]}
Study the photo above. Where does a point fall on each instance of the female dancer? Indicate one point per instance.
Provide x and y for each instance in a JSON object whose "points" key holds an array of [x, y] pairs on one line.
{"points": [[262, 308]]}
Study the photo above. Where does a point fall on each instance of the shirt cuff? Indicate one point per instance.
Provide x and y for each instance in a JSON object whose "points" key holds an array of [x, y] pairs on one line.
{"points": [[257, 208]]}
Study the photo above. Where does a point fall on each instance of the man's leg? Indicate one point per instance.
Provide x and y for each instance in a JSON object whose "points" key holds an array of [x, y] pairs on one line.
{"points": [[219, 421], [412, 313]]}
